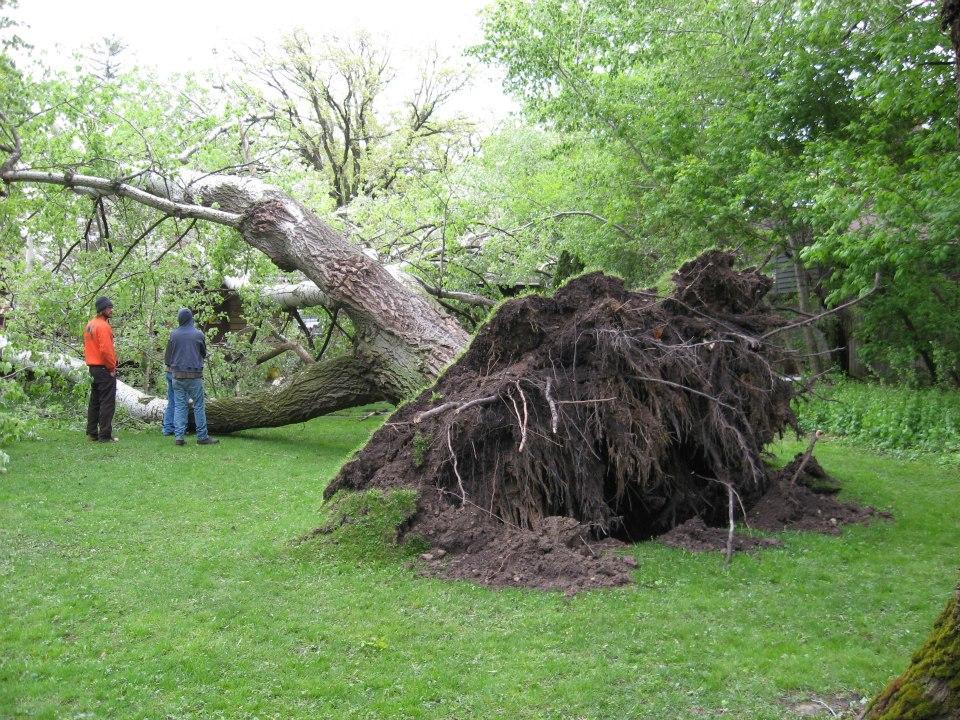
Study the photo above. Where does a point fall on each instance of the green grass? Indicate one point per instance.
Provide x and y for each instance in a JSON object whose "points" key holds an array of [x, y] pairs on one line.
{"points": [[140, 580]]}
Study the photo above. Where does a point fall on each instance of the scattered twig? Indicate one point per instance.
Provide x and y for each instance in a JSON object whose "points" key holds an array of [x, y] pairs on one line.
{"points": [[372, 413], [731, 509], [554, 415], [814, 436]]}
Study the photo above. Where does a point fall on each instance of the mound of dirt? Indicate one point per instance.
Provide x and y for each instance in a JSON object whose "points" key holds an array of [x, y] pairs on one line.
{"points": [[797, 507], [623, 413], [560, 554], [804, 501], [696, 536]]}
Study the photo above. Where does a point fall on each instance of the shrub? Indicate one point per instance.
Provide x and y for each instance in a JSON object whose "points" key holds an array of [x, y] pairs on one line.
{"points": [[895, 419]]}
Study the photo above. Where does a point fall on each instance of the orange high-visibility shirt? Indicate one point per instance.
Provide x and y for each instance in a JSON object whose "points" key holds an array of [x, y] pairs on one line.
{"points": [[98, 344]]}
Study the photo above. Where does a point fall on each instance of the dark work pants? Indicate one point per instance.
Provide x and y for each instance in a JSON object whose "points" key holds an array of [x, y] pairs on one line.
{"points": [[103, 403]]}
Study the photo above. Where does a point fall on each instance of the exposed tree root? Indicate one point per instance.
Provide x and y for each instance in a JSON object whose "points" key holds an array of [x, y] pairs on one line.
{"points": [[622, 412]]}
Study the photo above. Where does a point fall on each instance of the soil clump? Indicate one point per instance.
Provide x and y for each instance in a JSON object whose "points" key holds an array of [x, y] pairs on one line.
{"points": [[594, 416], [696, 536]]}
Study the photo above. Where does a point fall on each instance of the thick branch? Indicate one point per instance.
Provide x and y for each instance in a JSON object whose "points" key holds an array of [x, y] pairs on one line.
{"points": [[469, 298], [319, 389], [103, 186]]}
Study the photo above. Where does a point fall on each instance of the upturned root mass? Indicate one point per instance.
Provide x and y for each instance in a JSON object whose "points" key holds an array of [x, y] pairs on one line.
{"points": [[625, 411]]}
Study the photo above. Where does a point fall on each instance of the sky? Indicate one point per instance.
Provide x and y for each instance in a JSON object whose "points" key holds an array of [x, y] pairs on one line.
{"points": [[181, 35]]}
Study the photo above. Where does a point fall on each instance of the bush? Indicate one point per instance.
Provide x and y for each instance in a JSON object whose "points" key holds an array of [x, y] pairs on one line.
{"points": [[895, 419]]}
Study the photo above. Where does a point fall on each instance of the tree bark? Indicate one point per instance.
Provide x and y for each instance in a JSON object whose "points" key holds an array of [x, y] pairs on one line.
{"points": [[929, 689], [815, 348], [325, 387]]}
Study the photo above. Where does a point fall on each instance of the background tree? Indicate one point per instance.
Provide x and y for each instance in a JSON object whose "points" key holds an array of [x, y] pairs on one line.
{"points": [[329, 101], [729, 114]]}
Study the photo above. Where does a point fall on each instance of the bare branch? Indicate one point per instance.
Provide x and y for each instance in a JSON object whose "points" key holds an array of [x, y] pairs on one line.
{"points": [[469, 298], [106, 187]]}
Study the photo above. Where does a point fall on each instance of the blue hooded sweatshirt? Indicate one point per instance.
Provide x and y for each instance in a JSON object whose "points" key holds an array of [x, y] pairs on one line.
{"points": [[187, 346]]}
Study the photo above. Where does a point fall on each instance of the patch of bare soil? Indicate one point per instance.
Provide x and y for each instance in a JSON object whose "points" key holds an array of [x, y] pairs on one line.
{"points": [[844, 705], [696, 536], [809, 504], [560, 554]]}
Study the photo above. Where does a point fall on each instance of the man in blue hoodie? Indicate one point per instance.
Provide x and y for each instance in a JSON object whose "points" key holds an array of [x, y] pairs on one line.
{"points": [[186, 351]]}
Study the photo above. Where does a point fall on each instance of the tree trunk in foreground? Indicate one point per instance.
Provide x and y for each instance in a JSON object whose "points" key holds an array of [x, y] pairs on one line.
{"points": [[929, 689]]}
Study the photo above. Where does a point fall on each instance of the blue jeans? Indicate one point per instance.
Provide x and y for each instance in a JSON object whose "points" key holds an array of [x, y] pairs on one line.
{"points": [[168, 413], [192, 389]]}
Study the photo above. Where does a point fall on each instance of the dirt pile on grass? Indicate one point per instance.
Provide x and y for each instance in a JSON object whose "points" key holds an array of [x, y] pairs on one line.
{"points": [[622, 412], [559, 554], [806, 502], [801, 496]]}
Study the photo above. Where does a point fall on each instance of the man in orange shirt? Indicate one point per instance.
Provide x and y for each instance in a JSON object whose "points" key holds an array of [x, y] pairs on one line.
{"points": [[101, 360]]}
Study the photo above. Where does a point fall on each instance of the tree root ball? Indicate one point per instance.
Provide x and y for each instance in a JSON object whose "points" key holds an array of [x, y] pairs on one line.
{"points": [[624, 412]]}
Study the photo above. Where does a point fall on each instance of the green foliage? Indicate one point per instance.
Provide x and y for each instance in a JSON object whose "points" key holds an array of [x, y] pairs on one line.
{"points": [[421, 444], [899, 420], [826, 124]]}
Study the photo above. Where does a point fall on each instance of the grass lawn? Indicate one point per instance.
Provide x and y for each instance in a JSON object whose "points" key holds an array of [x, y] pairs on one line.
{"points": [[141, 580]]}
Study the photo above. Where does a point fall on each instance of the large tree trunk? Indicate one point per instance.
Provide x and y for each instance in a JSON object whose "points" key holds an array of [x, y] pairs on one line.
{"points": [[402, 336], [319, 389], [929, 689]]}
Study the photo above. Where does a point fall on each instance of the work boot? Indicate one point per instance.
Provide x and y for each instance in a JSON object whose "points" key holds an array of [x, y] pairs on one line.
{"points": [[208, 441], [92, 438], [178, 441]]}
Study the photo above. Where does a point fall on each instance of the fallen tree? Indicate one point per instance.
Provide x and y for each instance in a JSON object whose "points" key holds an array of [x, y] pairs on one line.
{"points": [[623, 413], [138, 404], [623, 410], [402, 339]]}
